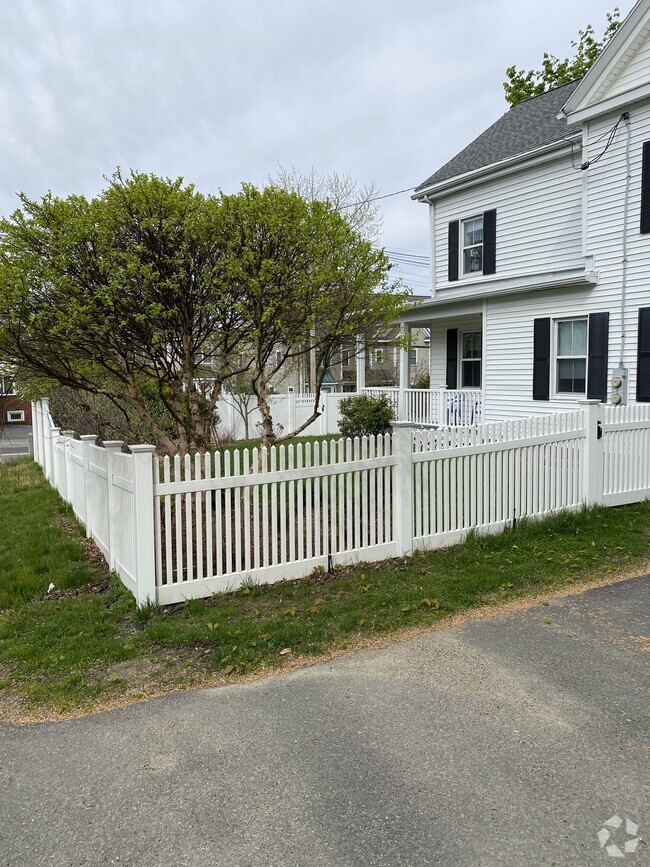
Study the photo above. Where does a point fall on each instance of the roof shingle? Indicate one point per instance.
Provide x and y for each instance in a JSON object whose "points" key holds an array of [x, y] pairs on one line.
{"points": [[529, 125]]}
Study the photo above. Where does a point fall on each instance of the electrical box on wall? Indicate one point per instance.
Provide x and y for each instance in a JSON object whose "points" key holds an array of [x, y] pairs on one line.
{"points": [[618, 383]]}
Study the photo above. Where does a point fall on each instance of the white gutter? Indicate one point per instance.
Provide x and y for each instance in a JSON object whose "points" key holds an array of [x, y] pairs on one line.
{"points": [[538, 155]]}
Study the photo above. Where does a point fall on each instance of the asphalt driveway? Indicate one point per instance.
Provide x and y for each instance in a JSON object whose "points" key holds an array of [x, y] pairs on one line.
{"points": [[504, 741]]}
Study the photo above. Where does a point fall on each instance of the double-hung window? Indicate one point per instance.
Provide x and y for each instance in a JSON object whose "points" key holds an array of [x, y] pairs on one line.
{"points": [[472, 246], [472, 241], [470, 359], [571, 356]]}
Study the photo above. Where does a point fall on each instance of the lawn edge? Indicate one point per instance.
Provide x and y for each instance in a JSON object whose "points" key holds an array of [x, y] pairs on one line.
{"points": [[353, 645]]}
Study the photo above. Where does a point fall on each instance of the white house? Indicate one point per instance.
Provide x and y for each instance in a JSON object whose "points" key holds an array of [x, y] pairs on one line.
{"points": [[540, 244]]}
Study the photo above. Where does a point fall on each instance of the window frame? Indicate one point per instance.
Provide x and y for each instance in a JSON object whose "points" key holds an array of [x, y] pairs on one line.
{"points": [[556, 357], [461, 246], [19, 412], [461, 359], [12, 379]]}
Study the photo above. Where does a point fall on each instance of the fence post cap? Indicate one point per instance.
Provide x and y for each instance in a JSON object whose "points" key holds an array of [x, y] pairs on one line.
{"points": [[402, 424], [589, 402], [142, 449], [88, 438], [113, 445]]}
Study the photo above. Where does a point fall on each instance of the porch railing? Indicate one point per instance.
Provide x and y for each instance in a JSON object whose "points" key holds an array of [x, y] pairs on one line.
{"points": [[439, 407]]}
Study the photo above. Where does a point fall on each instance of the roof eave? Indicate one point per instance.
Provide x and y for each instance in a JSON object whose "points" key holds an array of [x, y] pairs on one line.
{"points": [[467, 178], [608, 57]]}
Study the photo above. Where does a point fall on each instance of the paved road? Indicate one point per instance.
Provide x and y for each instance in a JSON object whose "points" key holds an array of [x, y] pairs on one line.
{"points": [[507, 741], [13, 441]]}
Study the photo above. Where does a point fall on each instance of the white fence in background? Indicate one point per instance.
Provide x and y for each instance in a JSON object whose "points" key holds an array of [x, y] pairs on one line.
{"points": [[427, 407], [187, 527], [289, 411]]}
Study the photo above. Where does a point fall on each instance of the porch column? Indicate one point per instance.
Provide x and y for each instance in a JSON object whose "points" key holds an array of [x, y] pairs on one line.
{"points": [[405, 331], [361, 365]]}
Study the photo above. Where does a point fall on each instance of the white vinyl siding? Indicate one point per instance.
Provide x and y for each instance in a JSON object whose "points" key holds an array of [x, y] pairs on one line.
{"points": [[508, 349], [538, 220], [633, 74], [508, 352], [605, 196]]}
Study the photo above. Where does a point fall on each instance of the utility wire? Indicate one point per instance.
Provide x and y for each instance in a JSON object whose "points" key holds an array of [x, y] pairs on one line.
{"points": [[375, 199]]}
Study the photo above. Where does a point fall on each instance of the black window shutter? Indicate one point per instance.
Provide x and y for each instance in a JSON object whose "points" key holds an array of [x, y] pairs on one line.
{"points": [[597, 356], [490, 242], [643, 356], [541, 359], [452, 358], [645, 189], [454, 238]]}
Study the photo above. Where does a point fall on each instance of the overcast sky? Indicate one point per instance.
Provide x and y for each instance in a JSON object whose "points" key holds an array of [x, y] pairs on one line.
{"points": [[220, 92]]}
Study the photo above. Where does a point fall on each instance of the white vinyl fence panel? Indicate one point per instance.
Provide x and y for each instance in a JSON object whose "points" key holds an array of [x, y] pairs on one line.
{"points": [[193, 525], [271, 514], [487, 476], [122, 516], [97, 498], [626, 454], [76, 482]]}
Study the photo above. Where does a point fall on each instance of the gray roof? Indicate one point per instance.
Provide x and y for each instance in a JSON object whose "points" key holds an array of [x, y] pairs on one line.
{"points": [[529, 125]]}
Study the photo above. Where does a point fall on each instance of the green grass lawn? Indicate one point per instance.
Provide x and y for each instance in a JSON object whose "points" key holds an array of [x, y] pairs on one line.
{"points": [[85, 645]]}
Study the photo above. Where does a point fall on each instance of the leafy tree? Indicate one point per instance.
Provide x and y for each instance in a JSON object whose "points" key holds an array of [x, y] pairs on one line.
{"points": [[523, 84], [307, 283], [121, 297], [130, 296]]}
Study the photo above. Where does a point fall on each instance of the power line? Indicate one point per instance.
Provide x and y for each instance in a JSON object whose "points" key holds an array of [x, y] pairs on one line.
{"points": [[375, 199], [408, 254], [410, 263]]}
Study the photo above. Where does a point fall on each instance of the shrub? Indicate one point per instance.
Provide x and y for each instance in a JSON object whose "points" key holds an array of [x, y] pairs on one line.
{"points": [[363, 415]]}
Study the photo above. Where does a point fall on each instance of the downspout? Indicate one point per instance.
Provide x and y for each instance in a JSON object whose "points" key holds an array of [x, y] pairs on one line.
{"points": [[432, 244], [625, 214]]}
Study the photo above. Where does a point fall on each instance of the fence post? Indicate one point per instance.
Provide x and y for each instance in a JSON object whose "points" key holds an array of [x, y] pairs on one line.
{"points": [[87, 440], [403, 491], [291, 409], [361, 364], [593, 475], [442, 419], [145, 549], [111, 446], [36, 417]]}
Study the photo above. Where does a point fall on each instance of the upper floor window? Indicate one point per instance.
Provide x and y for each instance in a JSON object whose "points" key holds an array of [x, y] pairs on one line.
{"points": [[6, 384], [571, 356], [472, 252], [472, 246]]}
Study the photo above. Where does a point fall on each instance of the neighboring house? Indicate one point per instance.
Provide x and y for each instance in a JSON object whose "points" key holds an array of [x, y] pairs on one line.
{"points": [[13, 409], [540, 244], [381, 364]]}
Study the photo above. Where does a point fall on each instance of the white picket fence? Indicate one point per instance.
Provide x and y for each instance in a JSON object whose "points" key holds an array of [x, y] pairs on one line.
{"points": [[427, 407], [188, 527]]}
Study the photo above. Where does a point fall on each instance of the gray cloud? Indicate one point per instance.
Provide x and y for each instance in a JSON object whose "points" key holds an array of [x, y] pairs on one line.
{"points": [[220, 92]]}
